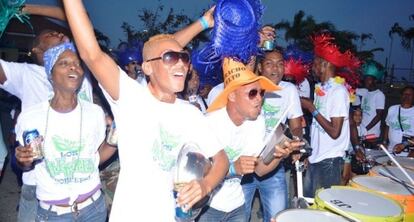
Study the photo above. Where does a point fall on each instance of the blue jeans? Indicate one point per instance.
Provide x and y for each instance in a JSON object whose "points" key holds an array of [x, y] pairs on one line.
{"points": [[323, 174], [272, 189], [210, 214], [94, 212], [27, 204]]}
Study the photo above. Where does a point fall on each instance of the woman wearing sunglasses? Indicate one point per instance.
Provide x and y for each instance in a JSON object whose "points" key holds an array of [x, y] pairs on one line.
{"points": [[152, 123]]}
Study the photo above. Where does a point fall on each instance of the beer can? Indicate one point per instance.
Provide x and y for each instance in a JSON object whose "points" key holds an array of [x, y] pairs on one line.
{"points": [[268, 45], [112, 138], [33, 138]]}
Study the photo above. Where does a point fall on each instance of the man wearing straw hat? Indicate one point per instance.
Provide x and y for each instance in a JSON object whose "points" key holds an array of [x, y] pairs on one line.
{"points": [[330, 133], [234, 114]]}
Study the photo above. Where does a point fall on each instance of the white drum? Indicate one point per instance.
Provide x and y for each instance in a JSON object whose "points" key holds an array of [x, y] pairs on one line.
{"points": [[390, 188], [391, 171], [359, 205], [295, 215], [406, 162]]}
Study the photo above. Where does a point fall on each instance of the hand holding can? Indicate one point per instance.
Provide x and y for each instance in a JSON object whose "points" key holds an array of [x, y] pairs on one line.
{"points": [[33, 139]]}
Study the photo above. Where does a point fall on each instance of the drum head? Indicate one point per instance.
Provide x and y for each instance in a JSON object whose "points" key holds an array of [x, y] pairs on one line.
{"points": [[295, 215], [393, 171], [407, 162], [383, 185], [350, 202]]}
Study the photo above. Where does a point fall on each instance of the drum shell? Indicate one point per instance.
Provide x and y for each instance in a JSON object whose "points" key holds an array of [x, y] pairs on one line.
{"points": [[322, 205], [389, 188]]}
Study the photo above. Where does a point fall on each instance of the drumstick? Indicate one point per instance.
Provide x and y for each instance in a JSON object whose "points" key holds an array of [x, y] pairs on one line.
{"points": [[396, 163]]}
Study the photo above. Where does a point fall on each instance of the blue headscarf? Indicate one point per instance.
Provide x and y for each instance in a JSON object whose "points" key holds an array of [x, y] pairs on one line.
{"points": [[51, 56]]}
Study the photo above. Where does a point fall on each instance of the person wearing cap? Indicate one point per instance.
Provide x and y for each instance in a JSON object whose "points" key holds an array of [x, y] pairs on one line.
{"points": [[282, 104], [330, 132], [72, 131], [234, 114], [399, 128], [29, 83], [152, 123], [131, 61], [373, 99]]}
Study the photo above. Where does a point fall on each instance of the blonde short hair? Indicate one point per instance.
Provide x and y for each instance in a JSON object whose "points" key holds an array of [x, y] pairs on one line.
{"points": [[152, 43]]}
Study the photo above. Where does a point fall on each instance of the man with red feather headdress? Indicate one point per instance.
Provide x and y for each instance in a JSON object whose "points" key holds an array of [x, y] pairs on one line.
{"points": [[330, 132]]}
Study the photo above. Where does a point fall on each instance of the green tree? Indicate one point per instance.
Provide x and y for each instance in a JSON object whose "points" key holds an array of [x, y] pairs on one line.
{"points": [[154, 23]]}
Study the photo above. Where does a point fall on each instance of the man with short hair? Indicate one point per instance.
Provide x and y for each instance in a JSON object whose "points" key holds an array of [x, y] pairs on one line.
{"points": [[330, 133], [373, 99], [152, 123], [399, 128], [273, 188]]}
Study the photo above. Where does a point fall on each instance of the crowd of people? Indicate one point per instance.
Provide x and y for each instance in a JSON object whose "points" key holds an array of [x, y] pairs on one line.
{"points": [[156, 102]]}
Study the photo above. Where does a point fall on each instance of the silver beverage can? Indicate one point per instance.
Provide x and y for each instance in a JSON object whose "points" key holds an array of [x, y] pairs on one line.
{"points": [[33, 138], [112, 138], [268, 45]]}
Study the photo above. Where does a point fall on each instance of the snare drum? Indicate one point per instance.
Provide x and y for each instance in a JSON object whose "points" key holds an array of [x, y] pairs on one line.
{"points": [[358, 205], [390, 188], [406, 162], [393, 171], [295, 215]]}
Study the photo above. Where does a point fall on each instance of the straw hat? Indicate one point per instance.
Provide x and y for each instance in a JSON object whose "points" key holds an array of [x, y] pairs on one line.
{"points": [[236, 74]]}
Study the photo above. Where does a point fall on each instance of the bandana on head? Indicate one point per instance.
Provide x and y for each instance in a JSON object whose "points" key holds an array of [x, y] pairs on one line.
{"points": [[51, 56]]}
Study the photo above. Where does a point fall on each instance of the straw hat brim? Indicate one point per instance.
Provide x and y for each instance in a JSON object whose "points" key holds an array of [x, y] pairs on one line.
{"points": [[221, 100]]}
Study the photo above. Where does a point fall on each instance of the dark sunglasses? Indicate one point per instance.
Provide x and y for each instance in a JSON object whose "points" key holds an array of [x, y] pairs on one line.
{"points": [[134, 63], [253, 93], [171, 58]]}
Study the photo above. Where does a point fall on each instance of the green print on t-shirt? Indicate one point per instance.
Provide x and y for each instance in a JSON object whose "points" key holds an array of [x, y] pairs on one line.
{"points": [[271, 115], [232, 153], [164, 150], [365, 106], [405, 126], [68, 163]]}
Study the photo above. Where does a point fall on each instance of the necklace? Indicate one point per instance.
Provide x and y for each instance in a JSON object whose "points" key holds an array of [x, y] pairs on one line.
{"points": [[47, 163], [321, 89]]}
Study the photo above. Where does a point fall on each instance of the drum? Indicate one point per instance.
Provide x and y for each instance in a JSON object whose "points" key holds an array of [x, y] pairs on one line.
{"points": [[392, 171], [390, 188], [358, 205], [406, 162], [295, 215]]}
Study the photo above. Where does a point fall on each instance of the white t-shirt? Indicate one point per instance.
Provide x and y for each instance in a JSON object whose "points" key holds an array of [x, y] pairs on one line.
{"points": [[335, 103], [214, 92], [370, 102], [150, 136], [276, 103], [30, 84], [304, 89], [407, 121], [70, 166], [246, 139]]}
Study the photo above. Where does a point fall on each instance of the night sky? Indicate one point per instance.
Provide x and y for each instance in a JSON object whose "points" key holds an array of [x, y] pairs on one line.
{"points": [[367, 16]]}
